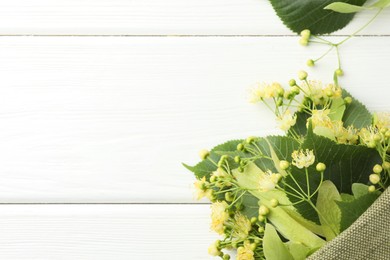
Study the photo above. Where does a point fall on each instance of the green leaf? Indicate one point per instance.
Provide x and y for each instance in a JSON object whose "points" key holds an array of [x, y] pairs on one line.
{"points": [[345, 8], [303, 14], [274, 249], [276, 147], [356, 114], [206, 167], [300, 125], [352, 210], [251, 205], [345, 165], [330, 214]]}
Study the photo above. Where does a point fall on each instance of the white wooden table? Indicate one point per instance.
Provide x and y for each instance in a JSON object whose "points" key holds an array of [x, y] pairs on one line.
{"points": [[101, 101]]}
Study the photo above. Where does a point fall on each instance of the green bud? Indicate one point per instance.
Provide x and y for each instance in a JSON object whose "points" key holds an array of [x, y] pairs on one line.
{"points": [[339, 72], [253, 220], [305, 33], [253, 246], [302, 75], [263, 210], [284, 164], [226, 257], [261, 218], [371, 188], [303, 42], [203, 154], [240, 147], [310, 63], [260, 229], [274, 203], [237, 159], [295, 90], [240, 169], [250, 139], [386, 166], [320, 167], [279, 103], [348, 100], [292, 82], [377, 169], [374, 178], [228, 197]]}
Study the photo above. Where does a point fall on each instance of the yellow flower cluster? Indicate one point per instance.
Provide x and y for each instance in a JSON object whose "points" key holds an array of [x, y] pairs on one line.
{"points": [[245, 252], [286, 120], [268, 181], [201, 189], [242, 226], [265, 91], [320, 94], [218, 216]]}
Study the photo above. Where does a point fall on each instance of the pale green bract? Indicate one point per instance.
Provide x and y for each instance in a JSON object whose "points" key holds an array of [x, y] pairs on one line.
{"points": [[347, 8]]}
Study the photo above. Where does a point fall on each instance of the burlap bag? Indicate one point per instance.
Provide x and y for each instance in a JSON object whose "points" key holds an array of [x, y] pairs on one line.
{"points": [[367, 238]]}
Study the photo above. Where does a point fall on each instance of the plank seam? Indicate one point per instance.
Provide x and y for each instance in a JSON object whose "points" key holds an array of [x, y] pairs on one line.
{"points": [[182, 35]]}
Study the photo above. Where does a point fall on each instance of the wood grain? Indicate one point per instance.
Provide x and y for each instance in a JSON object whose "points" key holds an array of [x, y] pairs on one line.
{"points": [[110, 119], [105, 232], [154, 17]]}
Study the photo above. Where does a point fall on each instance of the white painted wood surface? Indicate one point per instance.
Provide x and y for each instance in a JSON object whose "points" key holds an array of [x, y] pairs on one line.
{"points": [[152, 17], [111, 119], [92, 119], [141, 232]]}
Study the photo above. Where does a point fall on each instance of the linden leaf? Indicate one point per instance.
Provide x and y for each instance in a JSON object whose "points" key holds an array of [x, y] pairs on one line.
{"points": [[352, 210], [345, 165], [356, 114], [207, 166], [303, 14]]}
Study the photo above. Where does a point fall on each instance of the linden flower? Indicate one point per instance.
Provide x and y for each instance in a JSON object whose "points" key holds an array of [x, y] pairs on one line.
{"points": [[382, 120], [302, 158], [332, 91], [321, 118], [287, 120], [314, 90], [264, 91], [213, 250], [242, 226], [218, 216], [245, 252], [201, 190], [369, 136], [268, 181]]}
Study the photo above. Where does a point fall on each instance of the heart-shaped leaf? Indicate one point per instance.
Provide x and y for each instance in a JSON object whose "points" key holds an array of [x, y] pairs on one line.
{"points": [[303, 14]]}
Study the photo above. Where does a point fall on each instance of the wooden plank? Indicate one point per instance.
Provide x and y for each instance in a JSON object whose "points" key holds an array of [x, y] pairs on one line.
{"points": [[86, 119], [105, 232], [151, 17]]}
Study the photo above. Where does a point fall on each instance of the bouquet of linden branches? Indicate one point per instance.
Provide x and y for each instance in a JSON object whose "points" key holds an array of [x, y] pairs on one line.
{"points": [[284, 197]]}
